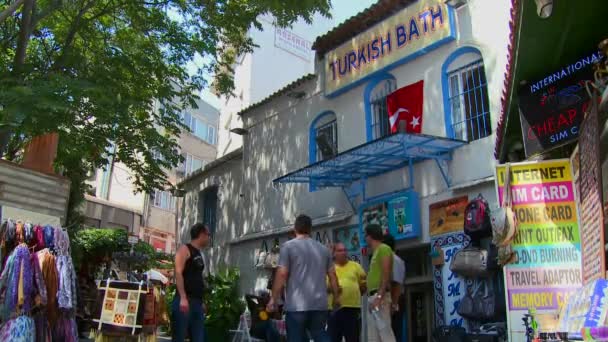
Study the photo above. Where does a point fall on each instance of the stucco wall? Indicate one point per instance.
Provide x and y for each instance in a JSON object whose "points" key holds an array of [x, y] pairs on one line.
{"points": [[228, 178]]}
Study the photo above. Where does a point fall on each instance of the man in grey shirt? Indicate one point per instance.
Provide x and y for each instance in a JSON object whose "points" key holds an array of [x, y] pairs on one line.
{"points": [[304, 264]]}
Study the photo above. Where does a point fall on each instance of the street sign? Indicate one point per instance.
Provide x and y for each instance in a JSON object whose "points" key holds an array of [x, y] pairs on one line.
{"points": [[133, 239]]}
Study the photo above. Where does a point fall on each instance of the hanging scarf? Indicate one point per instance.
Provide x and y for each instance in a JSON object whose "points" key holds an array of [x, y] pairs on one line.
{"points": [[49, 233], [67, 286], [51, 279], [61, 241], [28, 233], [20, 329], [9, 234], [65, 329], [39, 232], [38, 279], [16, 283]]}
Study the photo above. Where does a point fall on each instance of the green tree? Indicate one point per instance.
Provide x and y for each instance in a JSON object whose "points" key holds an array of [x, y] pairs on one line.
{"points": [[111, 76]]}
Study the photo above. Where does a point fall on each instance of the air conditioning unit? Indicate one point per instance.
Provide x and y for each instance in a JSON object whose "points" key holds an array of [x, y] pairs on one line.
{"points": [[325, 146]]}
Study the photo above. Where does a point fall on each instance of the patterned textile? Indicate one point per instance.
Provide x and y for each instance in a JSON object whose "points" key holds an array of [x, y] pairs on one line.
{"points": [[20, 329], [122, 306], [66, 294], [49, 234], [16, 283], [38, 278]]}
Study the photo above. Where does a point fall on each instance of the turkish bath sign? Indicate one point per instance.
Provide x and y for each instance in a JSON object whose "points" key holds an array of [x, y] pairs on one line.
{"points": [[548, 242], [552, 109], [407, 34]]}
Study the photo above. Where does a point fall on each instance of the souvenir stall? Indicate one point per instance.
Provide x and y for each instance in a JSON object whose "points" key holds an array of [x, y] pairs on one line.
{"points": [[130, 309], [37, 284]]}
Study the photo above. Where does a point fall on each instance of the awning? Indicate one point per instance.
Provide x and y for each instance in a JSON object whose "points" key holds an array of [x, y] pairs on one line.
{"points": [[375, 158]]}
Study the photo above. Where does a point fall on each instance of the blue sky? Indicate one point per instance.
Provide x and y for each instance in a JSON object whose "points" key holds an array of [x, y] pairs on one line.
{"points": [[342, 10]]}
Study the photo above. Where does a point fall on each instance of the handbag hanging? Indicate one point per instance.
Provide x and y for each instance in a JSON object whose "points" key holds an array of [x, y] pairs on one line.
{"points": [[466, 308], [504, 221], [473, 262], [262, 255]]}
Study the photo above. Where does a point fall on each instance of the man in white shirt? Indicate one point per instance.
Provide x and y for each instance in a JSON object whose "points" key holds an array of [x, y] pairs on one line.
{"points": [[398, 279]]}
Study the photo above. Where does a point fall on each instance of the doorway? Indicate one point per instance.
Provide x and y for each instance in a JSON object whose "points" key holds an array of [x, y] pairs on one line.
{"points": [[419, 312]]}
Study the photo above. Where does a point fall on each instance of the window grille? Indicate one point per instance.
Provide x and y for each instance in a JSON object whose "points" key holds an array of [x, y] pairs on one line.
{"points": [[380, 123], [469, 102]]}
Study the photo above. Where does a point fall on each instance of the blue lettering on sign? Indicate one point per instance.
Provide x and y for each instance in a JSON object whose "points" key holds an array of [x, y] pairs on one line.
{"points": [[454, 289], [450, 253], [457, 322], [455, 307], [452, 276]]}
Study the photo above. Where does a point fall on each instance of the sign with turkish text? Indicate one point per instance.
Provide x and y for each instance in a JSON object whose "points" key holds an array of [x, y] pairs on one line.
{"points": [[552, 108], [548, 241], [407, 34], [288, 41], [447, 216], [590, 185]]}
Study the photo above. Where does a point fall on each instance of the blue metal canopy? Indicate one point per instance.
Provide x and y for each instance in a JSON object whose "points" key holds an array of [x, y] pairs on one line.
{"points": [[375, 158]]}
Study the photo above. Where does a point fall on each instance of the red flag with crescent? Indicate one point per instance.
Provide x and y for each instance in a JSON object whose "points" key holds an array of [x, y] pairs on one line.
{"points": [[405, 105]]}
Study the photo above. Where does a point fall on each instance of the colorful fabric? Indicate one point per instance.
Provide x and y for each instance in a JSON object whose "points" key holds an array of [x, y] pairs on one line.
{"points": [[38, 279], [20, 329], [51, 280], [16, 283], [49, 234], [39, 232], [66, 293], [65, 330], [350, 277], [374, 277]]}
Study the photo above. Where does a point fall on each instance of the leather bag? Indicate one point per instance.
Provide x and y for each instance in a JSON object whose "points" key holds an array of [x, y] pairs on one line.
{"points": [[467, 307], [503, 220], [473, 262]]}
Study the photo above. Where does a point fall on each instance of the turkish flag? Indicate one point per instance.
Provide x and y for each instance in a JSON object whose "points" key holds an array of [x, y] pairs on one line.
{"points": [[405, 105]]}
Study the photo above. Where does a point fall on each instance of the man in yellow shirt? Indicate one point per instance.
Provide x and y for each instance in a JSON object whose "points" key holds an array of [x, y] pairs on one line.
{"points": [[345, 321]]}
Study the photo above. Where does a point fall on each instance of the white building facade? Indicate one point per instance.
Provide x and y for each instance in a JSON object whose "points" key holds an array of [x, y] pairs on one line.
{"points": [[321, 145]]}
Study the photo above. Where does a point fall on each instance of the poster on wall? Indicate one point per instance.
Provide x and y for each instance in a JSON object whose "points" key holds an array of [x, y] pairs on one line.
{"points": [[552, 108], [547, 244], [590, 201], [398, 214], [449, 288], [447, 216], [349, 236]]}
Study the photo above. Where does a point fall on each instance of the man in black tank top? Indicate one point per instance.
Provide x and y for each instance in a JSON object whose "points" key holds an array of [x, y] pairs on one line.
{"points": [[188, 316]]}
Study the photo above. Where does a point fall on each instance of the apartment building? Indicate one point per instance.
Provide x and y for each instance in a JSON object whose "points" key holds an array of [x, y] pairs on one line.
{"points": [[114, 202]]}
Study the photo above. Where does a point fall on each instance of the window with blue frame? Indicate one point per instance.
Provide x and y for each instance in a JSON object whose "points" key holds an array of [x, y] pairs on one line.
{"points": [[207, 208], [468, 101], [325, 135], [379, 119]]}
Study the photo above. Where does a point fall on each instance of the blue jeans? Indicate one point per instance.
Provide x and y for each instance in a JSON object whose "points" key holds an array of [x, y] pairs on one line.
{"points": [[191, 324], [300, 324]]}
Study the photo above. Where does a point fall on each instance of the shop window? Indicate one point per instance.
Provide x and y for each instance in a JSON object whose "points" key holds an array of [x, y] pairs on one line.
{"points": [[207, 208], [465, 91], [376, 110], [323, 137]]}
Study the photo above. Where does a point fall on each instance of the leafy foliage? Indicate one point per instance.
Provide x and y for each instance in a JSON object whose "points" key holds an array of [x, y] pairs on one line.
{"points": [[96, 246], [224, 305], [111, 76]]}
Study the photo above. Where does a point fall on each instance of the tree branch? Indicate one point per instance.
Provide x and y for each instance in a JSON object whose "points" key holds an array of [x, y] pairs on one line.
{"points": [[72, 32], [10, 10], [24, 34]]}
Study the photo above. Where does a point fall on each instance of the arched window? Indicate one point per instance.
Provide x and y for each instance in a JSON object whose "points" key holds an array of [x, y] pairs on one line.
{"points": [[375, 105], [323, 137], [465, 93]]}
